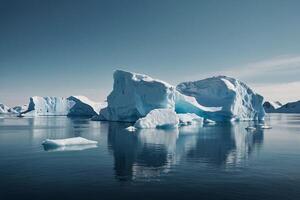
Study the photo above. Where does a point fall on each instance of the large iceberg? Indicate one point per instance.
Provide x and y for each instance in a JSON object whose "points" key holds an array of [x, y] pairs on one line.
{"points": [[158, 118], [271, 106], [55, 106], [135, 95], [237, 100], [292, 107]]}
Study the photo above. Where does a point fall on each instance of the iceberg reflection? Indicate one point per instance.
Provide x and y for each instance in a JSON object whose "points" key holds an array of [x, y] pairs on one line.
{"points": [[151, 153]]}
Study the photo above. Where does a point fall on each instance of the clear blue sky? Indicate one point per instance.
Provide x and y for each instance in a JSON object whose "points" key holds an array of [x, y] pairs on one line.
{"points": [[71, 47]]}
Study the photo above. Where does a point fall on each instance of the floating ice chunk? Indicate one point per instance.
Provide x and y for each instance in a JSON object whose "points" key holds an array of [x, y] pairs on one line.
{"points": [[250, 128], [237, 100], [68, 142], [158, 118], [69, 147], [265, 127], [189, 119], [209, 122], [131, 129]]}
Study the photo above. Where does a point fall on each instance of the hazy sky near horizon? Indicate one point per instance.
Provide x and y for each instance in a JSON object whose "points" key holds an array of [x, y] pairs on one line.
{"points": [[72, 47]]}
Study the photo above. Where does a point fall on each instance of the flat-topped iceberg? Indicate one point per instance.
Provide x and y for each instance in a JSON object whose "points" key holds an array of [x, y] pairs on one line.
{"points": [[237, 100], [68, 142], [271, 106], [55, 106], [158, 118], [135, 95]]}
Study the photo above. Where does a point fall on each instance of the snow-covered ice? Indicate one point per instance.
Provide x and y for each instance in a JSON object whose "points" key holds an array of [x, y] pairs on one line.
{"points": [[237, 100], [189, 119], [68, 142], [158, 118]]}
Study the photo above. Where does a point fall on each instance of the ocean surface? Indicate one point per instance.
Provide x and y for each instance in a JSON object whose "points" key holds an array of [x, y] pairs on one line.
{"points": [[211, 162]]}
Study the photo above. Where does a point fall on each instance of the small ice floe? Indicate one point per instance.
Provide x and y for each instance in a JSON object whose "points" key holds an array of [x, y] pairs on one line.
{"points": [[68, 142], [209, 122], [265, 126], [131, 129], [250, 128]]}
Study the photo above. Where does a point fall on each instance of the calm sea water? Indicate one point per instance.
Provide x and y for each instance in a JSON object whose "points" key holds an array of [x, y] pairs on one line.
{"points": [[212, 162]]}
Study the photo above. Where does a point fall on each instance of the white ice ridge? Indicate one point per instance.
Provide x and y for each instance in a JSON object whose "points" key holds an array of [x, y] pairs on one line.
{"points": [[54, 106], [68, 142], [135, 95], [158, 118], [238, 101]]}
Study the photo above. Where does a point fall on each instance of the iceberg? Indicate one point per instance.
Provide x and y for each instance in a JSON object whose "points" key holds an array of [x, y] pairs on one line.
{"points": [[271, 106], [19, 109], [82, 106], [237, 100], [158, 118], [292, 107], [189, 119], [68, 142], [56, 106], [135, 95], [131, 129], [4, 109]]}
